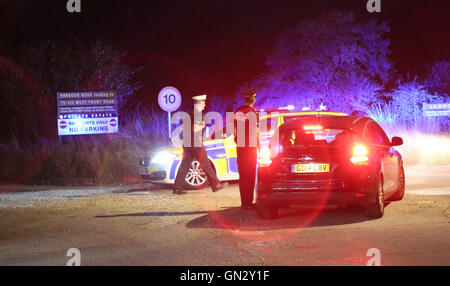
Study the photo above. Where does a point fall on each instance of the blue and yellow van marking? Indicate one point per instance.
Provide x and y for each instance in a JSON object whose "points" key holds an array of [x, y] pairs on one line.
{"points": [[216, 151], [173, 169]]}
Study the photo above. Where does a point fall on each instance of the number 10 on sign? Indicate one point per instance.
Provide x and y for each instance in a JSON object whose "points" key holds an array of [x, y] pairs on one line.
{"points": [[169, 99]]}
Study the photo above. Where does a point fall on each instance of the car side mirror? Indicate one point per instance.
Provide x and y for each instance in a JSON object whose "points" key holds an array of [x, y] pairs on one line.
{"points": [[396, 141]]}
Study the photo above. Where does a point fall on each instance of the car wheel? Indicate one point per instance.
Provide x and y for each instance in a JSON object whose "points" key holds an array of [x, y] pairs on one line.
{"points": [[377, 210], [267, 212], [400, 193], [196, 177]]}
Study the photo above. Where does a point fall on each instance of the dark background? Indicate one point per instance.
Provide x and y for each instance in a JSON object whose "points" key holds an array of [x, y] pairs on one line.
{"points": [[206, 46], [214, 46]]}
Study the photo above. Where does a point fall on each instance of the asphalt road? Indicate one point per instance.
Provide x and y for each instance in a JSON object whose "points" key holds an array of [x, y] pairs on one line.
{"points": [[145, 225]]}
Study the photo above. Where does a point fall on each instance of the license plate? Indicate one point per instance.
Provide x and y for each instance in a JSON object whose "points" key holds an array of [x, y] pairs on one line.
{"points": [[310, 168]]}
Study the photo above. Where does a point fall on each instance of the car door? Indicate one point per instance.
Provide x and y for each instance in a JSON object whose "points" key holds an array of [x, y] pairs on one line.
{"points": [[215, 149], [230, 150], [383, 149], [392, 161], [223, 139]]}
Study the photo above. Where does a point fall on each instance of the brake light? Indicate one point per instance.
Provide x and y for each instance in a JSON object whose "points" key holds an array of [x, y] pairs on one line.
{"points": [[264, 157], [312, 127], [360, 154]]}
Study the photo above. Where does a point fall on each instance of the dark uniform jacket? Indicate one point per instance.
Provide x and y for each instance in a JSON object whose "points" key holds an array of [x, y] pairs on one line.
{"points": [[196, 141]]}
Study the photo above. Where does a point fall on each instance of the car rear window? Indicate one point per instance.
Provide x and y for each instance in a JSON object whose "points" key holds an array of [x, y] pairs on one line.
{"points": [[299, 137]]}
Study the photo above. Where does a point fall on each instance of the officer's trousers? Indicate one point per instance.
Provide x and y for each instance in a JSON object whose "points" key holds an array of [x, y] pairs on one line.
{"points": [[247, 160], [189, 155]]}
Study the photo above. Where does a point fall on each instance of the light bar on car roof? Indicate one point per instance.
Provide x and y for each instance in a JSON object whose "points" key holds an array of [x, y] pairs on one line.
{"points": [[312, 127]]}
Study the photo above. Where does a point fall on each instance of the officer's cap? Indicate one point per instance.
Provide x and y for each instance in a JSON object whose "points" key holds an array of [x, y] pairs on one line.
{"points": [[249, 92], [199, 97]]}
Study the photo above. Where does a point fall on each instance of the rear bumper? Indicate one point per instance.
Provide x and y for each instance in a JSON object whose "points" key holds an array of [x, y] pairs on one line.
{"points": [[356, 189], [314, 198]]}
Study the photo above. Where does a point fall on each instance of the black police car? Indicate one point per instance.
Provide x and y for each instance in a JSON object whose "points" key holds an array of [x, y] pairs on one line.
{"points": [[318, 160]]}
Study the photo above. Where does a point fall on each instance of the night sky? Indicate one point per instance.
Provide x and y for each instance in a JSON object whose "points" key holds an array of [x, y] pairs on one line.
{"points": [[212, 46]]}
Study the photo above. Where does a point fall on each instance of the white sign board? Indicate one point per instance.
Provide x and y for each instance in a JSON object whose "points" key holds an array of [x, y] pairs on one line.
{"points": [[87, 113], [169, 98], [79, 126], [436, 109]]}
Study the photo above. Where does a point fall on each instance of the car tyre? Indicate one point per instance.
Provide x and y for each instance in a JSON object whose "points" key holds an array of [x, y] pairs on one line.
{"points": [[267, 212], [377, 209], [195, 178]]}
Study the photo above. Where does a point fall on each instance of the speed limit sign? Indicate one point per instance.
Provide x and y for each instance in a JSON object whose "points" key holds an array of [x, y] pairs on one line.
{"points": [[169, 98]]}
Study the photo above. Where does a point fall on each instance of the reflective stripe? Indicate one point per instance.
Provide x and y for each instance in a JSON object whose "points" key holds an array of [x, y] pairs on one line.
{"points": [[173, 169], [221, 165], [216, 151], [280, 121], [317, 113], [232, 163]]}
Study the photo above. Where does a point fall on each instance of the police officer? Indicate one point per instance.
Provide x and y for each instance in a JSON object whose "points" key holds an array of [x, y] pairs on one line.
{"points": [[193, 149], [246, 135]]}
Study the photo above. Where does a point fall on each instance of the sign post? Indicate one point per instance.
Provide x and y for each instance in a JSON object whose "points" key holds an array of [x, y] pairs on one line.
{"points": [[169, 99]]}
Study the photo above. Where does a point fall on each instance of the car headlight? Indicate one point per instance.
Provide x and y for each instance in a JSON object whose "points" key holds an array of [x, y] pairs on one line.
{"points": [[163, 158]]}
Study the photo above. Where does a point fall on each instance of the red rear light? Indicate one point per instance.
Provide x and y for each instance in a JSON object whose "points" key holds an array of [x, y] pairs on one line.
{"points": [[360, 154], [264, 157]]}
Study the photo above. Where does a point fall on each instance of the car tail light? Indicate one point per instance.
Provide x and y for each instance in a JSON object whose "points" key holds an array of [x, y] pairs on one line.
{"points": [[360, 154], [264, 157], [312, 127]]}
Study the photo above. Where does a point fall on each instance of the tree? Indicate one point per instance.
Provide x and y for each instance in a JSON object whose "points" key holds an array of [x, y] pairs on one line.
{"points": [[438, 78], [408, 99], [331, 58]]}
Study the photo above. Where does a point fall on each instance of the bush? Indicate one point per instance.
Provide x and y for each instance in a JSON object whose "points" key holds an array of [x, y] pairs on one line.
{"points": [[408, 99], [427, 143], [94, 159], [422, 148]]}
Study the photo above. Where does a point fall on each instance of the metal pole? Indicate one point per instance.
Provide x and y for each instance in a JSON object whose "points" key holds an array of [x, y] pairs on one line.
{"points": [[170, 124]]}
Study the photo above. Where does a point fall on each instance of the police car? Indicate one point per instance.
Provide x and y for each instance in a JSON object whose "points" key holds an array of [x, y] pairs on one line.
{"points": [[161, 165]]}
